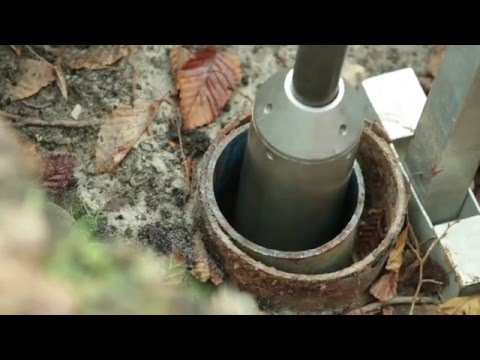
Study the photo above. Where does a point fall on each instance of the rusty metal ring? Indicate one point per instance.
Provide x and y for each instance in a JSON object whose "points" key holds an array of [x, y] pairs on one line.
{"points": [[313, 292], [331, 256]]}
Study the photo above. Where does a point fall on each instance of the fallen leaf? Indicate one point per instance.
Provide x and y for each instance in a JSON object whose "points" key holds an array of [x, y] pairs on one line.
{"points": [[121, 132], [61, 81], [463, 305], [178, 57], [436, 60], [204, 268], [395, 258], [216, 275], [97, 57], [386, 287], [188, 172], [389, 310], [35, 75], [201, 268], [57, 174], [206, 83]]}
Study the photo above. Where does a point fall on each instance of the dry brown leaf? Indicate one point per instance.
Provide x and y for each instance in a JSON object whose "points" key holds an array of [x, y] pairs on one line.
{"points": [[201, 268], [35, 75], [386, 287], [98, 57], [206, 83], [463, 305], [57, 175], [121, 132], [204, 268], [189, 171], [61, 80], [436, 60], [216, 275], [178, 58], [395, 258]]}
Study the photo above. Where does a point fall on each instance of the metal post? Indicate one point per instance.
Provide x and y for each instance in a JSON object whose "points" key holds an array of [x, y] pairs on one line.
{"points": [[444, 154]]}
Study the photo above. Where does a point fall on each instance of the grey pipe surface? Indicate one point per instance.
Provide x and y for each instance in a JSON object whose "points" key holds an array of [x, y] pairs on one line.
{"points": [[317, 72], [299, 155]]}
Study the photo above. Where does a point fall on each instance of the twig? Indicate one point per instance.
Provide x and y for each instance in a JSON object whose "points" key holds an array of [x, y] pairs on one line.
{"points": [[243, 119], [21, 121], [245, 96], [133, 60], [170, 102], [422, 261], [399, 300], [16, 50], [432, 281], [37, 107], [36, 55], [180, 141]]}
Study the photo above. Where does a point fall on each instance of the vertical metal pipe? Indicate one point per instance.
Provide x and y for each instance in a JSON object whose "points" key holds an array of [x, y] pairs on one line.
{"points": [[299, 157], [316, 73]]}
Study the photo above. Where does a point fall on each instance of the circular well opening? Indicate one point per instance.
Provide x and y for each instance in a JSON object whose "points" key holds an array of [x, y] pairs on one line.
{"points": [[226, 176]]}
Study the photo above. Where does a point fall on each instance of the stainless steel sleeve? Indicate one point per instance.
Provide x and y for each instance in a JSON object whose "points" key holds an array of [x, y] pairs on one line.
{"points": [[296, 167]]}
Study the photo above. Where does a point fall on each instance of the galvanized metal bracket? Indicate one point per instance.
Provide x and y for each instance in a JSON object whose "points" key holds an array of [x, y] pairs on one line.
{"points": [[437, 141]]}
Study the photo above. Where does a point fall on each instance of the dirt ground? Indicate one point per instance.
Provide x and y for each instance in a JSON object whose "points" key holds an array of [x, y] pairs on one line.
{"points": [[149, 186]]}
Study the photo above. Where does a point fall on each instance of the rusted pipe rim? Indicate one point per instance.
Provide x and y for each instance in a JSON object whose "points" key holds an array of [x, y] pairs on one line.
{"points": [[220, 225], [261, 250]]}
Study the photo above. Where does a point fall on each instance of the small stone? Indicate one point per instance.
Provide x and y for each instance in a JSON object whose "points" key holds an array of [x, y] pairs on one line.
{"points": [[146, 146], [76, 112], [159, 165]]}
